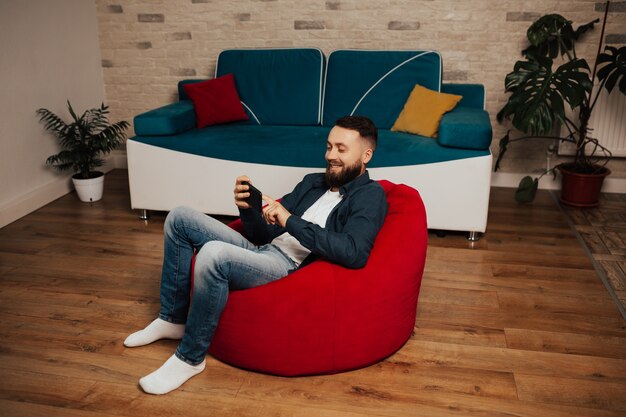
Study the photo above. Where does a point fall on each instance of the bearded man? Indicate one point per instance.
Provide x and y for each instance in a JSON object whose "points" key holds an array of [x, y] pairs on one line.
{"points": [[334, 215]]}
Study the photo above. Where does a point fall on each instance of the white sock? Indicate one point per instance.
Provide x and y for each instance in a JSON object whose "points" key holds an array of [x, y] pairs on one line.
{"points": [[158, 329], [170, 376]]}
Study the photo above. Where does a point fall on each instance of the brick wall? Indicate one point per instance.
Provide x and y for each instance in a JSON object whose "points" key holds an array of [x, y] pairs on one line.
{"points": [[147, 46]]}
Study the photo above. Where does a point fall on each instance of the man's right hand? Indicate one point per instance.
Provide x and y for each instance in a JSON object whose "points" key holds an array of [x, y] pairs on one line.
{"points": [[241, 192]]}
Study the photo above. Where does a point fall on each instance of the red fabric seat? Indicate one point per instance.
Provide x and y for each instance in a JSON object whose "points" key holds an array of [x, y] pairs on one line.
{"points": [[325, 318]]}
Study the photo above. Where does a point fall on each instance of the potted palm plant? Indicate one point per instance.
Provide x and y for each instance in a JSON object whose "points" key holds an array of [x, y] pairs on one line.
{"points": [[539, 93], [84, 141]]}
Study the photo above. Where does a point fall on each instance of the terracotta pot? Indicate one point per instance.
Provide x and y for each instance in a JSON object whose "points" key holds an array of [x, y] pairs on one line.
{"points": [[581, 190]]}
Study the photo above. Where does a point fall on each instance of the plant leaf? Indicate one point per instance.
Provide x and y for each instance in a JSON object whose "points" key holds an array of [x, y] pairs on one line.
{"points": [[545, 27], [83, 140], [612, 67], [504, 142], [538, 93], [71, 110], [552, 34], [526, 190], [584, 28]]}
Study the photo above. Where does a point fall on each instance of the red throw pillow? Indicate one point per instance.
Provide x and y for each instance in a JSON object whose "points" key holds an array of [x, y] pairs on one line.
{"points": [[216, 101]]}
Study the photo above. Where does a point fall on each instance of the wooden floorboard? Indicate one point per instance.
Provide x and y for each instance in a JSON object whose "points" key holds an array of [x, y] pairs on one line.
{"points": [[603, 229], [518, 323]]}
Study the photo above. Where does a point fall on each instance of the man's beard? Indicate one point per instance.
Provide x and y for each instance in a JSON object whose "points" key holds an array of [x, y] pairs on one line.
{"points": [[347, 174]]}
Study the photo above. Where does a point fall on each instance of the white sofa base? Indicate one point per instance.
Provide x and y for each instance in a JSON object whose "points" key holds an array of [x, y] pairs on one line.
{"points": [[455, 193]]}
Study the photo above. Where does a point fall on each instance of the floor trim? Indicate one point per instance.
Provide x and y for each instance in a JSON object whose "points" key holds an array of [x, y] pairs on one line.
{"points": [[511, 180], [39, 197]]}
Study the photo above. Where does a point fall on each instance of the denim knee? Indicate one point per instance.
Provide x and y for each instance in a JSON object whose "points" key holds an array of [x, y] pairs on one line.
{"points": [[175, 216], [211, 261]]}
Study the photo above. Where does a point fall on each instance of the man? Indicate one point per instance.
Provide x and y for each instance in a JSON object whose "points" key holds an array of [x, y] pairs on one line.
{"points": [[334, 215]]}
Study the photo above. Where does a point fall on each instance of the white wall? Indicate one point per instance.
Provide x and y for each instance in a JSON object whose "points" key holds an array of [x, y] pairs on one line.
{"points": [[49, 52]]}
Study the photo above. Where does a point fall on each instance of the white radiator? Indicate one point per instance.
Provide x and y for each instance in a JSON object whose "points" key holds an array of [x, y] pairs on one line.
{"points": [[608, 122]]}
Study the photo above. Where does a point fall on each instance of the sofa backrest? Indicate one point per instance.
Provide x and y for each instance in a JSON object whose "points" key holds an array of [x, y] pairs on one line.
{"points": [[277, 86], [376, 84], [473, 94]]}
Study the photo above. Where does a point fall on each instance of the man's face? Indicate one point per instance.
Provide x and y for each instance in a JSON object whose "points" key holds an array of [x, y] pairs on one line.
{"points": [[347, 155]]}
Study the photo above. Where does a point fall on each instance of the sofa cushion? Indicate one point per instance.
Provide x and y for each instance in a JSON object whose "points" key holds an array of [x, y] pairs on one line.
{"points": [[167, 120], [301, 146], [376, 84], [465, 127], [216, 101], [423, 111], [277, 86]]}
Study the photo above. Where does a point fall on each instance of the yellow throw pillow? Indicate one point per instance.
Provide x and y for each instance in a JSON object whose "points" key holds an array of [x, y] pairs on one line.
{"points": [[423, 111]]}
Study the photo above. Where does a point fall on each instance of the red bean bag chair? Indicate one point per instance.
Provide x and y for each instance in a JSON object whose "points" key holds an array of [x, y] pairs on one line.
{"points": [[325, 318]]}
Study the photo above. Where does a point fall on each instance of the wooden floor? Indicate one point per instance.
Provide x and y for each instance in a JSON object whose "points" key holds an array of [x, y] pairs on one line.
{"points": [[518, 325], [603, 230]]}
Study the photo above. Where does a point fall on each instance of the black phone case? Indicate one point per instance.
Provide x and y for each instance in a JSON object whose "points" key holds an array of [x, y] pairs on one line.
{"points": [[256, 198]]}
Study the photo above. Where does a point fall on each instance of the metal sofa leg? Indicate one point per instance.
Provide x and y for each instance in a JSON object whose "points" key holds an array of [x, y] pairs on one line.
{"points": [[473, 236], [144, 214]]}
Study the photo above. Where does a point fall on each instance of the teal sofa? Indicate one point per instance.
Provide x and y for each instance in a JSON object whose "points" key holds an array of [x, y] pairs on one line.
{"points": [[292, 98]]}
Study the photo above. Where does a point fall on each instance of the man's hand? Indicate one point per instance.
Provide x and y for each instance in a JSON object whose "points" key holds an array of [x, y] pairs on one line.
{"points": [[241, 192], [274, 212]]}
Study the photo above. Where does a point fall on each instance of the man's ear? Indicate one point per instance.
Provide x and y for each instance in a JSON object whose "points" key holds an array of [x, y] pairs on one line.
{"points": [[367, 155]]}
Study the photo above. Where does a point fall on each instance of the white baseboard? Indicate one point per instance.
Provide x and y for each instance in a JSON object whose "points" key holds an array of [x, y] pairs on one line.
{"points": [[39, 197], [31, 201], [117, 160], [511, 180]]}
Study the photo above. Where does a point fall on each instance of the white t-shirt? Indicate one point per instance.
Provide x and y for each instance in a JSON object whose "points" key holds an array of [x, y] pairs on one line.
{"points": [[318, 213]]}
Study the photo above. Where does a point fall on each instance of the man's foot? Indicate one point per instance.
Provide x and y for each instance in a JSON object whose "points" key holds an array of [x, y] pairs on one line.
{"points": [[170, 376], [157, 330]]}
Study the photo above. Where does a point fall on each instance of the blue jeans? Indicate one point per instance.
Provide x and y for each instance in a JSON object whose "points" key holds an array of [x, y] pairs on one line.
{"points": [[225, 261]]}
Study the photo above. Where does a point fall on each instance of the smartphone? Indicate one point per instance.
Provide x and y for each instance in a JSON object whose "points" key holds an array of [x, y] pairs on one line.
{"points": [[256, 197]]}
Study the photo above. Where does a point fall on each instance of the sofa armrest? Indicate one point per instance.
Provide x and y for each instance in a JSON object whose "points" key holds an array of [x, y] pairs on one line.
{"points": [[467, 128], [167, 120]]}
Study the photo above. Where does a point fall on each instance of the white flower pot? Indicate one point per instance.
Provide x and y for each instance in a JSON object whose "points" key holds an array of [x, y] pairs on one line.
{"points": [[89, 190]]}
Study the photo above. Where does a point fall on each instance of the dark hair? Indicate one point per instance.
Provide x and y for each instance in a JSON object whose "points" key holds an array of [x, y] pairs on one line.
{"points": [[366, 128]]}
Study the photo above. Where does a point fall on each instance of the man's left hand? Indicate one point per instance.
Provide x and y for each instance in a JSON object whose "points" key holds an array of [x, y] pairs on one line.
{"points": [[274, 212]]}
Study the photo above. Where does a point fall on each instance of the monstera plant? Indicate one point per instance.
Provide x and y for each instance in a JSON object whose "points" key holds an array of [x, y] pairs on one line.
{"points": [[541, 90]]}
